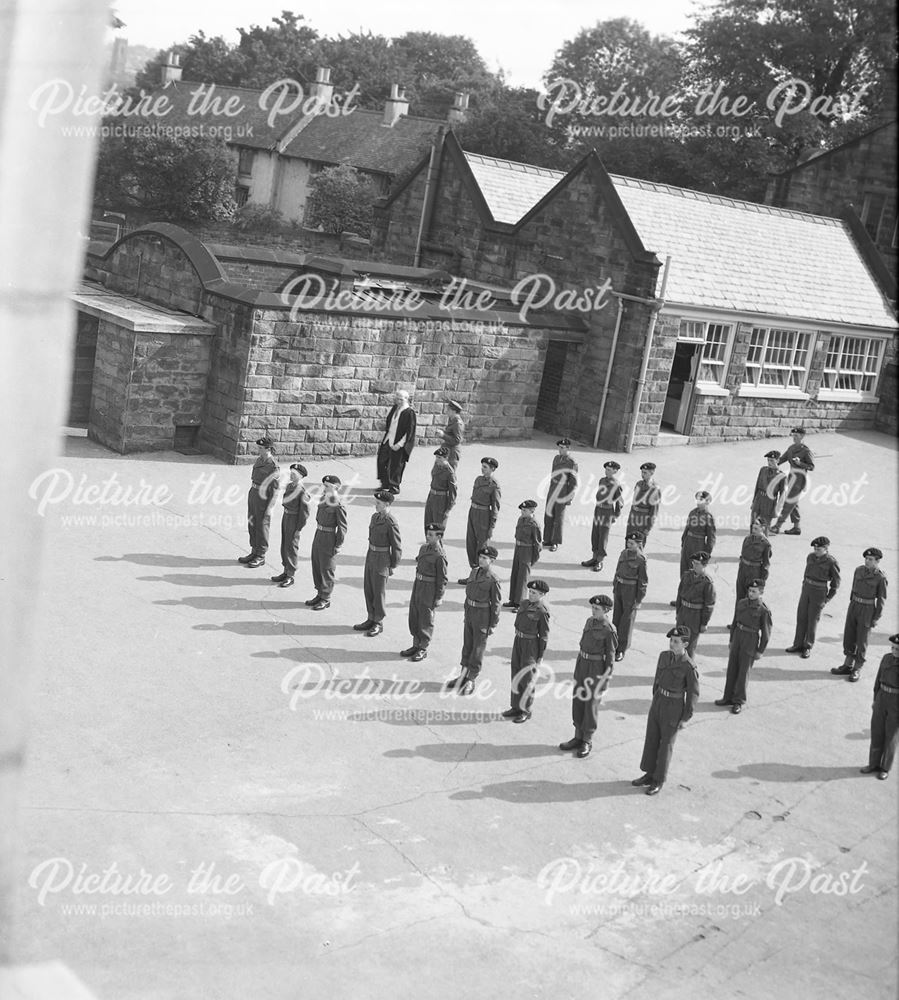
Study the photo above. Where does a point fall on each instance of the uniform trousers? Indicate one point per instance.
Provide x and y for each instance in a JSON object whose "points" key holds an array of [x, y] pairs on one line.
{"points": [[290, 543], [524, 673], [884, 730], [599, 535], [259, 519], [661, 732], [477, 534], [811, 604], [421, 613], [692, 619], [586, 697], [624, 612], [474, 640], [856, 631], [322, 557], [743, 647], [374, 588], [521, 573]]}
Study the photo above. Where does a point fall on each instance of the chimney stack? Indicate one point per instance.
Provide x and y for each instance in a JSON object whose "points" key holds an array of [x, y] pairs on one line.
{"points": [[395, 106], [322, 90], [459, 111], [171, 69]]}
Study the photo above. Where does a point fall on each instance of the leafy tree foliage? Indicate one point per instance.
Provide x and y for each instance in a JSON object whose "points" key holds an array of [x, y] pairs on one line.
{"points": [[342, 200]]}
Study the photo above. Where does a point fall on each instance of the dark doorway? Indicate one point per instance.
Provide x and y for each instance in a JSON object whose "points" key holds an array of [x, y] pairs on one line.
{"points": [[677, 412], [547, 414]]}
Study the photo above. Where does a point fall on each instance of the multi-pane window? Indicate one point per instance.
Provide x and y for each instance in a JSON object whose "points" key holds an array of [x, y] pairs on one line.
{"points": [[872, 213], [245, 162], [715, 338], [241, 194], [852, 363], [777, 358]]}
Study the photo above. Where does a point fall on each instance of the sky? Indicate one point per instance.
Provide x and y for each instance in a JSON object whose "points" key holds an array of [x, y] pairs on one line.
{"points": [[519, 37]]}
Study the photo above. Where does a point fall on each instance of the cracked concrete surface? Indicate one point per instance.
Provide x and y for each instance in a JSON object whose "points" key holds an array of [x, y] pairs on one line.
{"points": [[376, 850]]}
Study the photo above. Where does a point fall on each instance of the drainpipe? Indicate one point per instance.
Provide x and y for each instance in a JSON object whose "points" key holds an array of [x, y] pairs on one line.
{"points": [[641, 381], [429, 180], [605, 388]]}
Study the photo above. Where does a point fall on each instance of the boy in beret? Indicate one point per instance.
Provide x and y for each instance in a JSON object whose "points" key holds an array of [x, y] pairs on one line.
{"points": [[699, 534], [885, 714], [695, 599], [606, 512], [769, 487], [592, 673], [800, 461], [293, 520], [646, 501], [755, 558], [264, 484], [454, 434], [330, 531], [528, 647], [866, 599], [819, 585], [485, 501], [527, 552], [675, 692], [562, 490], [442, 494], [628, 589], [482, 601], [749, 635], [384, 552], [427, 592]]}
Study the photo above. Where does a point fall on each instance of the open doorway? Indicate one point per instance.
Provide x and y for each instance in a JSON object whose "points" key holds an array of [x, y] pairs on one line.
{"points": [[677, 413]]}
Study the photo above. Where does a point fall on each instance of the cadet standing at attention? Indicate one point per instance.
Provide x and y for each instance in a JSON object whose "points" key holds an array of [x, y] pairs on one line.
{"points": [[605, 514], [562, 490], [454, 434], [749, 635], [885, 714], [442, 494], [755, 558], [264, 483], [330, 531], [482, 601], [427, 592], [592, 673], [675, 692], [629, 589], [485, 500], [869, 591], [769, 486], [384, 553], [645, 505], [699, 533], [801, 462], [527, 552], [695, 599], [819, 585], [293, 520], [528, 647]]}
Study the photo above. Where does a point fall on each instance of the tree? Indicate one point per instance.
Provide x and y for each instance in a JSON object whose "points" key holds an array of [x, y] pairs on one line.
{"points": [[177, 178], [341, 201], [286, 49], [364, 60]]}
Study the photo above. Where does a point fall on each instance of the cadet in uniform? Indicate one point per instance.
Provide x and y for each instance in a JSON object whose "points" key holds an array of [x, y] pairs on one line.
{"points": [[769, 486], [592, 673], [527, 552], [482, 601], [605, 514], [629, 589], [384, 553], [293, 520], [397, 443], [265, 480], [801, 461], [755, 558], [562, 490], [427, 592], [819, 584], [528, 647], [454, 434], [645, 505], [442, 494], [485, 500], [330, 531], [869, 591], [695, 599], [699, 533], [675, 692], [885, 714], [749, 635]]}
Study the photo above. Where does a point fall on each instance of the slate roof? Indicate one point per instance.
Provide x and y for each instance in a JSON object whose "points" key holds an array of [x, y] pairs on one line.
{"points": [[511, 189]]}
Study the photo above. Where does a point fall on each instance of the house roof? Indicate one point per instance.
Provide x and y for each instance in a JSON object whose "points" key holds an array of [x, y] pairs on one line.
{"points": [[361, 140], [511, 189]]}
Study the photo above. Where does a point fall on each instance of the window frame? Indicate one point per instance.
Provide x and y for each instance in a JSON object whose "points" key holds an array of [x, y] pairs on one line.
{"points": [[726, 346], [757, 386], [837, 392]]}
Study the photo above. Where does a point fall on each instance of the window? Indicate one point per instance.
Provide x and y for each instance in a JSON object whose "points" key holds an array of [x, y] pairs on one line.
{"points": [[715, 339], [872, 213], [245, 162], [852, 363], [241, 194], [778, 358]]}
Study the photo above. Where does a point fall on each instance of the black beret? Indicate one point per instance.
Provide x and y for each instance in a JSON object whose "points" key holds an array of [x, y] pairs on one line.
{"points": [[433, 526], [442, 452], [678, 632], [703, 495], [540, 585], [611, 465], [488, 550], [651, 466], [602, 601], [872, 552], [772, 454], [634, 536], [455, 405], [564, 442], [492, 462], [895, 638], [333, 480], [385, 496], [300, 468], [528, 505], [798, 430], [266, 442], [702, 557], [820, 540], [758, 584]]}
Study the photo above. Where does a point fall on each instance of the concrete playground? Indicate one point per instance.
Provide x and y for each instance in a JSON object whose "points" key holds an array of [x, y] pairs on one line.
{"points": [[231, 797]]}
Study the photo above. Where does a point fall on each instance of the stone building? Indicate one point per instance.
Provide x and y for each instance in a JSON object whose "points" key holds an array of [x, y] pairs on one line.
{"points": [[710, 318]]}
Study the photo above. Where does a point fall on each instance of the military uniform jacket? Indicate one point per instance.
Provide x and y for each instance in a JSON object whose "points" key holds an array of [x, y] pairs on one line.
{"points": [[454, 434], [600, 638], [296, 502], [384, 533], [443, 480], [871, 586], [528, 539], [755, 616], [700, 526], [823, 570], [698, 590], [608, 497], [887, 673], [769, 485], [486, 492], [532, 620], [647, 497], [266, 470], [483, 587], [798, 457], [756, 554], [632, 566], [431, 562], [562, 480], [332, 515], [678, 674]]}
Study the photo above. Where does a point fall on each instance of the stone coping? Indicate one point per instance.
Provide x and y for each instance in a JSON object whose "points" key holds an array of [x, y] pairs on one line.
{"points": [[133, 314]]}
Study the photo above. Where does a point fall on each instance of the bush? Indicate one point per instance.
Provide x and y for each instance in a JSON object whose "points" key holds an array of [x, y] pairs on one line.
{"points": [[341, 201]]}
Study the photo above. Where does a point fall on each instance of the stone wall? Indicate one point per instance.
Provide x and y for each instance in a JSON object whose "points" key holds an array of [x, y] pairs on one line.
{"points": [[887, 416], [152, 268], [112, 372], [83, 368]]}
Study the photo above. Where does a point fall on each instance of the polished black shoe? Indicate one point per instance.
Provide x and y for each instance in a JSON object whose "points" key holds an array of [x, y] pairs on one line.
{"points": [[552, 548], [572, 744], [737, 708], [597, 568], [279, 578], [255, 562], [395, 490], [645, 780], [363, 626], [411, 651], [376, 629], [589, 562], [311, 601], [455, 682], [653, 789], [722, 702], [793, 531], [509, 713], [585, 749], [321, 605], [246, 559], [467, 688], [805, 654], [793, 649], [288, 581], [619, 656], [419, 655], [870, 769], [883, 775], [511, 605], [672, 604], [854, 675], [774, 529], [463, 580], [841, 671], [521, 717]]}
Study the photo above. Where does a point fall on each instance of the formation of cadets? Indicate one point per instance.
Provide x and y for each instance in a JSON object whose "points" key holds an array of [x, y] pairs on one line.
{"points": [[608, 631]]}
